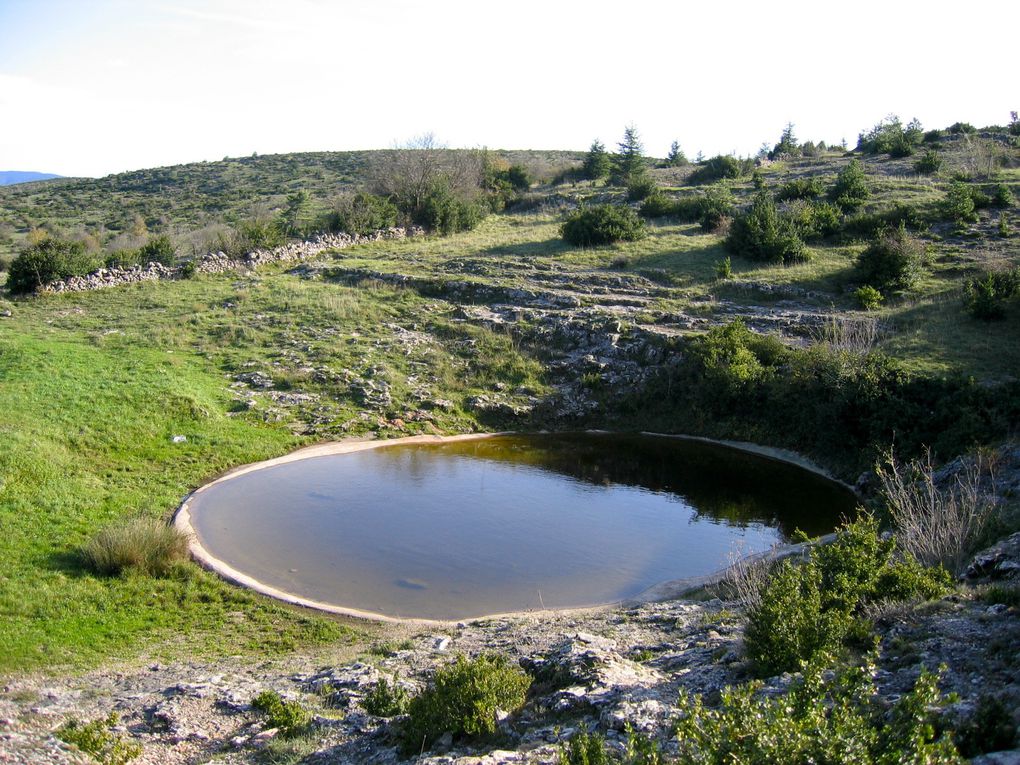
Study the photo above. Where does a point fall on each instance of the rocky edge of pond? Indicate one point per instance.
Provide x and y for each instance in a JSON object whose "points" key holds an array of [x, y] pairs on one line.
{"points": [[613, 668]]}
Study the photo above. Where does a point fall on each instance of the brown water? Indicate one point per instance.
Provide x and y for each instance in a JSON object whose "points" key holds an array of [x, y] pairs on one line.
{"points": [[460, 529]]}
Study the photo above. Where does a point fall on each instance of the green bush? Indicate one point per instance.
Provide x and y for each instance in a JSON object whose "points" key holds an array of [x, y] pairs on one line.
{"points": [[868, 225], [657, 205], [929, 163], [288, 716], [159, 249], [597, 162], [825, 717], [187, 269], [447, 213], [1004, 230], [1003, 196], [814, 220], [961, 128], [98, 741], [868, 298], [989, 729], [47, 261], [122, 259], [958, 205], [640, 188], [985, 297], [719, 167], [361, 214], [851, 189], [462, 698], [762, 234], [810, 608], [893, 261], [141, 545], [891, 137], [584, 749], [385, 700], [800, 188], [602, 224], [724, 269]]}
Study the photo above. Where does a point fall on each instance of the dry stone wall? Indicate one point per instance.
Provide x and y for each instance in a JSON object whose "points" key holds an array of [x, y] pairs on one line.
{"points": [[219, 262]]}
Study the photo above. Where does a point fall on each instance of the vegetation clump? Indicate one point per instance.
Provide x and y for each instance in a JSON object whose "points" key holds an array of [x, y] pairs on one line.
{"points": [[851, 189], [361, 214], [463, 698], [763, 234], [805, 610], [719, 167], [96, 739], [986, 296], [289, 717], [602, 224], [142, 545], [386, 700], [893, 261], [831, 717], [47, 261]]}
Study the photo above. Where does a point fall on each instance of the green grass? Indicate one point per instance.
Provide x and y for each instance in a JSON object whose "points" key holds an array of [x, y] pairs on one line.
{"points": [[94, 386]]}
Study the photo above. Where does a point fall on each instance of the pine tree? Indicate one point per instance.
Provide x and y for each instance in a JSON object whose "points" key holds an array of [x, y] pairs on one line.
{"points": [[630, 161], [676, 157], [596, 162]]}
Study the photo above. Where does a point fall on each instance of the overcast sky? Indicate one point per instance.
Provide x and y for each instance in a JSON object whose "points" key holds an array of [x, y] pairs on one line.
{"points": [[91, 87]]}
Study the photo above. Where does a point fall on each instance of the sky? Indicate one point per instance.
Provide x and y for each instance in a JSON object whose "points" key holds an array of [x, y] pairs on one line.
{"points": [[93, 87]]}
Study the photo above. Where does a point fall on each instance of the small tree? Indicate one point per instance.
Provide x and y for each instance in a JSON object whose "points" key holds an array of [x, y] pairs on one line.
{"points": [[597, 164], [630, 162], [602, 224], [787, 146], [851, 188], [763, 234], [893, 261], [676, 157]]}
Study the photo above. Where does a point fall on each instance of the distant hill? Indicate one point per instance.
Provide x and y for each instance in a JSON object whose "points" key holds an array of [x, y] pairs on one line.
{"points": [[10, 177]]}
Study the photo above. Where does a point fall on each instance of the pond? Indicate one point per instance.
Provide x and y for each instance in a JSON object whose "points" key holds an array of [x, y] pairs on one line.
{"points": [[457, 529]]}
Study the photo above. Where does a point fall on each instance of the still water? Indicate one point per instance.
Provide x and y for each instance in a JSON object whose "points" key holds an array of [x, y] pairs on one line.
{"points": [[461, 529]]}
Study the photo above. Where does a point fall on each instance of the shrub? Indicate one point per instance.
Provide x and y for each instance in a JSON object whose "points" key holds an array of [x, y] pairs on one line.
{"points": [[385, 700], [445, 212], [640, 188], [1004, 231], [989, 729], [584, 749], [929, 163], [47, 261], [762, 234], [602, 224], [187, 269], [98, 741], [868, 225], [719, 167], [361, 214], [958, 205], [597, 163], [724, 269], [462, 698], [814, 220], [809, 608], [868, 298], [985, 297], [657, 205], [122, 259], [891, 137], [851, 189], [799, 188], [893, 261], [288, 716], [1003, 196], [961, 128], [830, 717], [159, 249], [142, 545]]}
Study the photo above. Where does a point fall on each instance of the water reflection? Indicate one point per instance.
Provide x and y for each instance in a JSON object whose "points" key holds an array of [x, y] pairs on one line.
{"points": [[459, 529]]}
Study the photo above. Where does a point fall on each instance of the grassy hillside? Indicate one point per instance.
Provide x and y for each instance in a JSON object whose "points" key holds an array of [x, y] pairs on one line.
{"points": [[491, 327]]}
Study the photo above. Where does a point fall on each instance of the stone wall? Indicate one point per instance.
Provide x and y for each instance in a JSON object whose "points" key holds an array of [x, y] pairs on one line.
{"points": [[219, 262]]}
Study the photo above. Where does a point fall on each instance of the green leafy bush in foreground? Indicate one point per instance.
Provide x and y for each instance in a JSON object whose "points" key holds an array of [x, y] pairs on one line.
{"points": [[824, 718], [45, 262], [602, 224], [385, 700], [985, 297], [463, 698], [142, 545], [808, 609], [96, 740]]}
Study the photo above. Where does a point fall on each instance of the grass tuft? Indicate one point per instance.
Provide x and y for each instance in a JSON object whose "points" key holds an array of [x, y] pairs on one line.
{"points": [[142, 545]]}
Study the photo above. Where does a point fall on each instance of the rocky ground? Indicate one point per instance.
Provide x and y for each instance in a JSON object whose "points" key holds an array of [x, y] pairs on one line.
{"points": [[604, 670]]}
